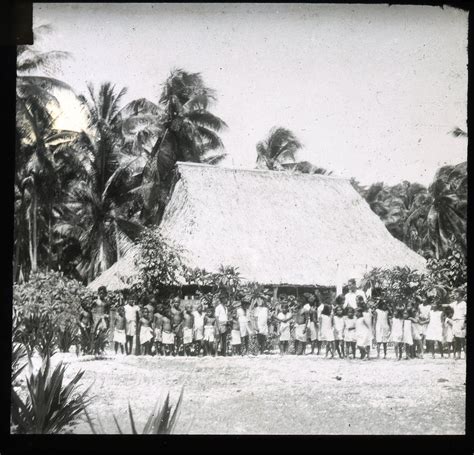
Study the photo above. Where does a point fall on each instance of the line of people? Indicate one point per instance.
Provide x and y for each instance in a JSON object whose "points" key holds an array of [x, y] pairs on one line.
{"points": [[351, 323]]}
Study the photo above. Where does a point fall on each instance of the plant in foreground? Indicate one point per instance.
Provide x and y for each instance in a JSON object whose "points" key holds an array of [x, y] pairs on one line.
{"points": [[50, 405], [94, 341], [67, 336], [161, 421], [37, 331]]}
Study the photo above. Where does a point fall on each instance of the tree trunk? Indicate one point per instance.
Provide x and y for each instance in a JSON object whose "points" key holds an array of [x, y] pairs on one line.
{"points": [[50, 236], [117, 243], [33, 246]]}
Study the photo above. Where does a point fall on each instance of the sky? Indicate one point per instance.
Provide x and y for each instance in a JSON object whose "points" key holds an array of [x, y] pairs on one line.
{"points": [[371, 91]]}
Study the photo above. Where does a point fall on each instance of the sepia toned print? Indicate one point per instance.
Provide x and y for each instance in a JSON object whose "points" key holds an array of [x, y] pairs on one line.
{"points": [[241, 219]]}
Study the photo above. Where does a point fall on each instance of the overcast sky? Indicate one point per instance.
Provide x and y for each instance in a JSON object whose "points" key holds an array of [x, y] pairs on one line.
{"points": [[372, 91]]}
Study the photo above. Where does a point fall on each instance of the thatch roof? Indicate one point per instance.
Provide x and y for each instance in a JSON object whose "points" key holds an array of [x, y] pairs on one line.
{"points": [[277, 227], [120, 275]]}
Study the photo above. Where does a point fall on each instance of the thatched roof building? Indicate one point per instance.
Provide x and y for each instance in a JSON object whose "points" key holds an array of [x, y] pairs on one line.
{"points": [[278, 228]]}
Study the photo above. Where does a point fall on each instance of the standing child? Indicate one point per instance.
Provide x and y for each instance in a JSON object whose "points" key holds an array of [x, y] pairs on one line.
{"points": [[284, 317], [209, 332], [448, 335], [167, 334], [434, 331], [312, 332], [119, 331], [407, 333], [222, 322], [235, 340], [301, 327], [188, 326], [424, 318], [244, 325], [416, 332], [198, 329], [396, 336], [157, 329], [261, 313], [382, 328], [146, 333], [350, 332], [338, 322], [363, 335], [327, 330], [459, 322], [177, 323], [131, 316]]}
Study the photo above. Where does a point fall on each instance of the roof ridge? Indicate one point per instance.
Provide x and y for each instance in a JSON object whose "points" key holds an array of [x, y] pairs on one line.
{"points": [[181, 164]]}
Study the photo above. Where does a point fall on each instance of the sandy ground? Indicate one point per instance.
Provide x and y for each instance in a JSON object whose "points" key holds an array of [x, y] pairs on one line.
{"points": [[280, 395]]}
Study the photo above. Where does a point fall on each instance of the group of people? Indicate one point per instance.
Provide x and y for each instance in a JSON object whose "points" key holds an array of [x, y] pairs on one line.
{"points": [[351, 323]]}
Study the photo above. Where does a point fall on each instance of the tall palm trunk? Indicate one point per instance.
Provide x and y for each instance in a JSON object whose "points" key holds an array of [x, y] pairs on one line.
{"points": [[33, 237], [50, 236]]}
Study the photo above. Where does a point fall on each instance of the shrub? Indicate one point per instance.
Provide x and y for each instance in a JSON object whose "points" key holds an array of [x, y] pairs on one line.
{"points": [[399, 284], [37, 332], [51, 293], [93, 342], [67, 336], [161, 421], [50, 405], [449, 272], [159, 263], [18, 355]]}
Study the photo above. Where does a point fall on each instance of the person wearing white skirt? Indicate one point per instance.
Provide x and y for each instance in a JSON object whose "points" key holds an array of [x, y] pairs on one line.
{"points": [[434, 331], [363, 333], [407, 333], [146, 333], [350, 333], [326, 334], [396, 335], [382, 328]]}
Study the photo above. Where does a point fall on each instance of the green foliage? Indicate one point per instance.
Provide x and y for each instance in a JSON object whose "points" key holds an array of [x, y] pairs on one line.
{"points": [[399, 284], [50, 405], [279, 147], [93, 342], [48, 307], [402, 285], [160, 264], [449, 272], [37, 332], [67, 336], [54, 294], [431, 221], [162, 420], [18, 363]]}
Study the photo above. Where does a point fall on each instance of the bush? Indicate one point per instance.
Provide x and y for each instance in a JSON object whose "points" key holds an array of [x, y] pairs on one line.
{"points": [[159, 263], [36, 331], [67, 336], [449, 272], [52, 293], [93, 342], [50, 406]]}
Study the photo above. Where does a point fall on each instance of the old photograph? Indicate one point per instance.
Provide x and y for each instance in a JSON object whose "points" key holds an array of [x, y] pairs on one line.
{"points": [[240, 219]]}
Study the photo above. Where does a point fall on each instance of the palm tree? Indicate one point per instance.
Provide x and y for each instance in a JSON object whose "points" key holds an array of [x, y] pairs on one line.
{"points": [[278, 148], [188, 132], [35, 131], [443, 213], [305, 167], [94, 210]]}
